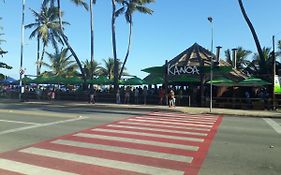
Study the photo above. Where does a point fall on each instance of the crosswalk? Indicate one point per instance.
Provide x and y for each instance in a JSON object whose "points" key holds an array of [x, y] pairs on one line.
{"points": [[157, 143]]}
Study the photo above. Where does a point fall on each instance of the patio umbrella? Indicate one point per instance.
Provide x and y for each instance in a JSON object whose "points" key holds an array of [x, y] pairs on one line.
{"points": [[153, 79], [27, 80], [184, 79], [133, 81], [156, 70], [40, 80], [8, 80], [101, 80], [72, 80], [253, 81], [222, 81]]}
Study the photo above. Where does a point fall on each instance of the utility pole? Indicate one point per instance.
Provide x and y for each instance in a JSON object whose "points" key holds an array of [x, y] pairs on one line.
{"points": [[210, 19], [274, 72], [21, 71]]}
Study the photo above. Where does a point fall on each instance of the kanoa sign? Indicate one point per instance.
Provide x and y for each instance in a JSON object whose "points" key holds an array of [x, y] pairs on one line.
{"points": [[180, 70]]}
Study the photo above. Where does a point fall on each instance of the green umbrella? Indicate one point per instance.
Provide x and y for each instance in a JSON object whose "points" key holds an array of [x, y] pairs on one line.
{"points": [[101, 80], [253, 81], [216, 69], [153, 79], [158, 70], [40, 80], [72, 80], [133, 81], [55, 80], [222, 81], [27, 80], [184, 79]]}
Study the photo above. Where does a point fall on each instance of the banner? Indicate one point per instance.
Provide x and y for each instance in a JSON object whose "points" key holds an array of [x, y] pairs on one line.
{"points": [[277, 87]]}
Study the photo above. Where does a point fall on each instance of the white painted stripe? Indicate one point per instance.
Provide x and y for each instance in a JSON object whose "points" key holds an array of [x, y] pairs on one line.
{"points": [[24, 168], [166, 126], [175, 120], [203, 116], [181, 119], [20, 122], [132, 151], [149, 134], [273, 124], [156, 129], [40, 125], [139, 141], [174, 123], [102, 162]]}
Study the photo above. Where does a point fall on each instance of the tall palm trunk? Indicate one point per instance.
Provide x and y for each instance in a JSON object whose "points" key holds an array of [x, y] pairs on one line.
{"points": [[263, 69], [41, 59], [38, 56], [92, 39], [114, 45], [128, 50], [65, 40]]}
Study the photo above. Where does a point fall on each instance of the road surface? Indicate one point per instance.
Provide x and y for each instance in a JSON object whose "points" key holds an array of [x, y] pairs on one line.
{"points": [[54, 139]]}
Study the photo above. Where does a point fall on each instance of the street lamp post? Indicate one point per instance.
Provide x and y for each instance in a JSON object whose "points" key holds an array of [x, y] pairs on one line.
{"points": [[21, 71], [274, 72], [210, 19]]}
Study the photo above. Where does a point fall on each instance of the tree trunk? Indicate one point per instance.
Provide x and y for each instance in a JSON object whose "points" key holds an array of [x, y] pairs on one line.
{"points": [[263, 70], [41, 60], [114, 45], [92, 39], [65, 40], [128, 50], [38, 56]]}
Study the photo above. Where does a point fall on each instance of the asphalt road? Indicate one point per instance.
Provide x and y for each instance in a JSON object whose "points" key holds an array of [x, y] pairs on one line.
{"points": [[22, 125], [242, 146]]}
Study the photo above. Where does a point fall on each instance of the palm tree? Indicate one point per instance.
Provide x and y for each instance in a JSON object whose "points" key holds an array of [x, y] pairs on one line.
{"points": [[113, 33], [256, 65], [64, 37], [91, 69], [108, 69], [47, 28], [2, 52], [129, 7], [92, 35], [278, 48], [255, 36], [242, 56], [60, 64]]}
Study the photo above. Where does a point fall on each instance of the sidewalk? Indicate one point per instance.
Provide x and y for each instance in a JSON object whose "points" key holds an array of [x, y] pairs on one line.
{"points": [[190, 110]]}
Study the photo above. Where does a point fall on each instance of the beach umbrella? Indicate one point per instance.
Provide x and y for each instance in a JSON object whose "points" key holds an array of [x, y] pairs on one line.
{"points": [[133, 81], [101, 80], [253, 81], [72, 80], [40, 80], [153, 79], [156, 70], [184, 79], [222, 81], [8, 80]]}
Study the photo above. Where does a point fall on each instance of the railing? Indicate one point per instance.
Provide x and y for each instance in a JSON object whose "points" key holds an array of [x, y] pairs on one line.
{"points": [[245, 103]]}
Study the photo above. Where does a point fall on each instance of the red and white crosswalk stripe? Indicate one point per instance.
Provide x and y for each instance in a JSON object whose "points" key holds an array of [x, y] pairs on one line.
{"points": [[157, 143]]}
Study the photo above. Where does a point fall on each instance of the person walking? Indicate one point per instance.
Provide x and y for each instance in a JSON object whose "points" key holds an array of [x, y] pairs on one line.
{"points": [[127, 95], [172, 100], [161, 95], [144, 92], [136, 95], [92, 96], [118, 99]]}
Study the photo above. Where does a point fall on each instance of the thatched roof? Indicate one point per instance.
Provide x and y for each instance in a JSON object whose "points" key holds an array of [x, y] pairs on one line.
{"points": [[195, 55]]}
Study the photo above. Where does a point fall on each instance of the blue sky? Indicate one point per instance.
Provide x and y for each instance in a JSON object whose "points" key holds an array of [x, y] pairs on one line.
{"points": [[173, 27]]}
